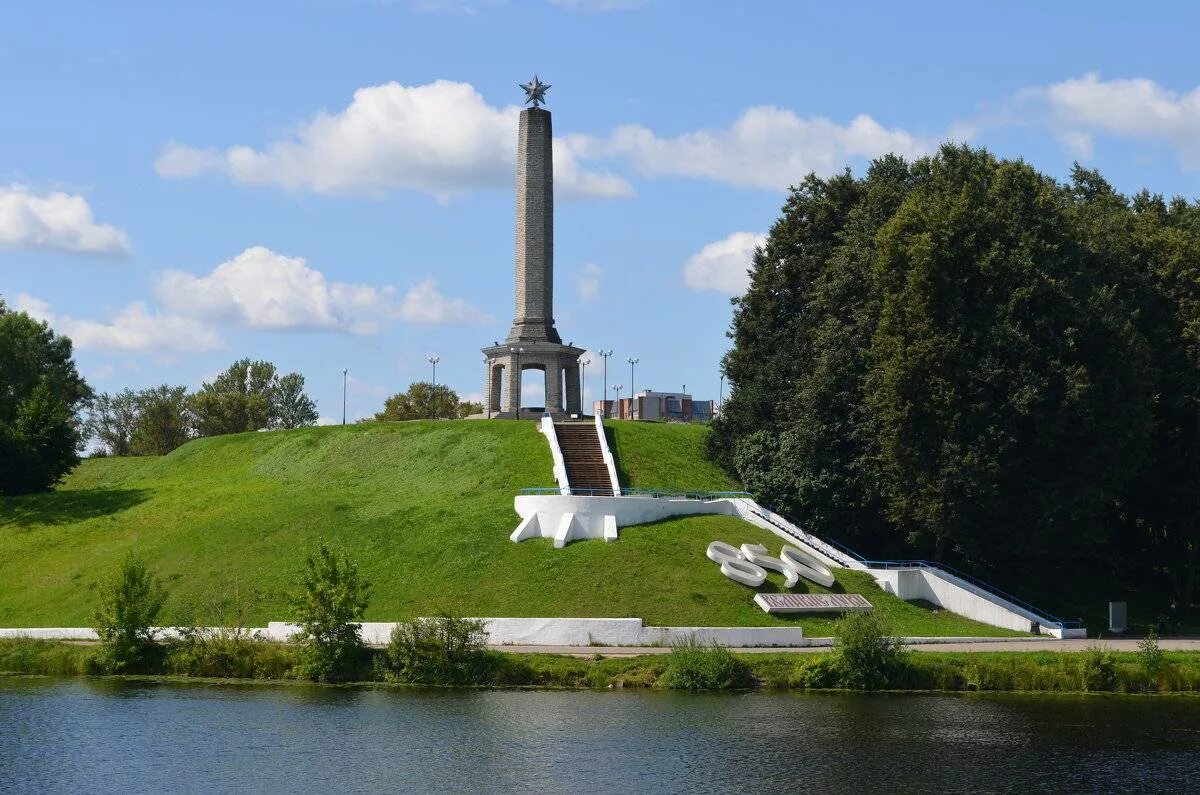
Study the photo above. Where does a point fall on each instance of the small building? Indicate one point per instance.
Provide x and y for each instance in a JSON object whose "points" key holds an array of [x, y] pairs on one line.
{"points": [[651, 405]]}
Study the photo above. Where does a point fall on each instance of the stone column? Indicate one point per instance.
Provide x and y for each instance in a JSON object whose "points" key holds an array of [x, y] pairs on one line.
{"points": [[574, 398], [553, 385], [512, 399], [495, 385]]}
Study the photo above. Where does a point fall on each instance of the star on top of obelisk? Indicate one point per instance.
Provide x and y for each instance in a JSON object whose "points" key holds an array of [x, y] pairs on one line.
{"points": [[535, 91]]}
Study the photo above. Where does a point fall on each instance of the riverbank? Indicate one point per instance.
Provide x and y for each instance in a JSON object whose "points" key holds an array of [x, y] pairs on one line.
{"points": [[1093, 670]]}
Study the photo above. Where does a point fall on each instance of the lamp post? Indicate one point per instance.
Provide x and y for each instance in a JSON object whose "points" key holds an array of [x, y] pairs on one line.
{"points": [[345, 373], [617, 390], [632, 361], [433, 360], [721, 398], [604, 395], [583, 363]]}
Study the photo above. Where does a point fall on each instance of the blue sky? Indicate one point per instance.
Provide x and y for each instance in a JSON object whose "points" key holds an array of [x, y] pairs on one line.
{"points": [[329, 184]]}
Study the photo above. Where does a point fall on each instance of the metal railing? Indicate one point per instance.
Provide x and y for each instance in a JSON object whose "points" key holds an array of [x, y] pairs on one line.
{"points": [[670, 494]]}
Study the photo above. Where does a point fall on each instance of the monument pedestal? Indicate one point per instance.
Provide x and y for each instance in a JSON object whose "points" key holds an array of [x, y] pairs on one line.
{"points": [[502, 381]]}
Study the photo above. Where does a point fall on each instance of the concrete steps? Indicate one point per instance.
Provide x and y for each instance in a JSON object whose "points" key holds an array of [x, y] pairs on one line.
{"points": [[583, 458]]}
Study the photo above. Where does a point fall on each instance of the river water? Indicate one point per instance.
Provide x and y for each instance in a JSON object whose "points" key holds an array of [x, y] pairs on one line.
{"points": [[114, 736]]}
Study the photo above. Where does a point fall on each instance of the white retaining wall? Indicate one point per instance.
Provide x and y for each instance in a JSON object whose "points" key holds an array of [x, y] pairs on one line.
{"points": [[546, 426], [966, 599], [609, 462]]}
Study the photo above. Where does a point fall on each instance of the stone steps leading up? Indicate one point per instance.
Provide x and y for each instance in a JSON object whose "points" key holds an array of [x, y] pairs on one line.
{"points": [[583, 457]]}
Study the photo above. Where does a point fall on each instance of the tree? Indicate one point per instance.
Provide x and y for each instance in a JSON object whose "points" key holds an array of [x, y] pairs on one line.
{"points": [[41, 395], [251, 396], [112, 420], [331, 599], [293, 408], [237, 400], [124, 620], [162, 420], [423, 400]]}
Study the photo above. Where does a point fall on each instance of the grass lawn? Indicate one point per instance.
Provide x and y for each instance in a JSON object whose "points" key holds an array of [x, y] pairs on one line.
{"points": [[424, 507], [655, 455]]}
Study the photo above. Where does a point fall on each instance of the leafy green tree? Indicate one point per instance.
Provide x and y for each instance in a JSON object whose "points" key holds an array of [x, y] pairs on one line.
{"points": [[443, 650], [129, 606], [41, 396], [423, 400], [162, 420], [112, 420], [1004, 379], [251, 396], [332, 597], [239, 399], [293, 408]]}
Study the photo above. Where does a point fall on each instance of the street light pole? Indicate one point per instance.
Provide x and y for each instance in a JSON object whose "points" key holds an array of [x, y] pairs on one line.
{"points": [[345, 372], [604, 395], [632, 362], [617, 389], [721, 399], [433, 360]]}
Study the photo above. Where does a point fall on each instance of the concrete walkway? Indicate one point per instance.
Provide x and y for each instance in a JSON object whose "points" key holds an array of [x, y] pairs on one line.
{"points": [[1115, 644]]}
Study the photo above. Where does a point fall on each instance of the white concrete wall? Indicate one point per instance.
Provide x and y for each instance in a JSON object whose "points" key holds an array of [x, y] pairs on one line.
{"points": [[609, 462], [966, 599], [546, 426]]}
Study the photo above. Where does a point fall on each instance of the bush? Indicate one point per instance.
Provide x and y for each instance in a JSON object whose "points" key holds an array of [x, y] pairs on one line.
{"points": [[865, 656], [44, 657], [331, 600], [1098, 670], [129, 605], [220, 652], [1150, 654], [439, 651], [694, 665]]}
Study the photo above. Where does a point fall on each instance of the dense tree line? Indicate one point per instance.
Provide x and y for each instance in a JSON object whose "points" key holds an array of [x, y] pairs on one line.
{"points": [[962, 358], [246, 396]]}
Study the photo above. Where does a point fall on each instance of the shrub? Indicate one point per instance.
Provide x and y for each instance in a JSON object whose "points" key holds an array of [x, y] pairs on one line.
{"points": [[129, 605], [332, 598], [1098, 670], [221, 652], [44, 657], [1150, 654], [694, 665], [440, 651], [865, 655]]}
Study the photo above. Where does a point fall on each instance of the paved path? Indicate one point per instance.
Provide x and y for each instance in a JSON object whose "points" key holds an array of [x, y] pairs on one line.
{"points": [[1116, 644]]}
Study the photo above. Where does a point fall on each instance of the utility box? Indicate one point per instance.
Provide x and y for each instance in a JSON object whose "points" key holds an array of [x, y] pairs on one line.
{"points": [[1118, 617]]}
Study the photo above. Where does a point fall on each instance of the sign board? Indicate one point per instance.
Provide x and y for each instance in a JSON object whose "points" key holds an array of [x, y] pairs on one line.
{"points": [[812, 602]]}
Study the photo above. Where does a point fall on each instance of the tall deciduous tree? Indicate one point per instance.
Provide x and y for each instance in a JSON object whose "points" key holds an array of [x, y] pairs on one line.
{"points": [[251, 396], [41, 395], [162, 421], [293, 408]]}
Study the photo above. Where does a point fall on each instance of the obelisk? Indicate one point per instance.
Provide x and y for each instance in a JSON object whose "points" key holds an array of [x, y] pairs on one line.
{"points": [[534, 311], [533, 343]]}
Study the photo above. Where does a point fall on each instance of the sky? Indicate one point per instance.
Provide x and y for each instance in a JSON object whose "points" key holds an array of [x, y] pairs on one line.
{"points": [[328, 184]]}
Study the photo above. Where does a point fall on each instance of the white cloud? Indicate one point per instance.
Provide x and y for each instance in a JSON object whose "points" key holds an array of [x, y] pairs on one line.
{"points": [[589, 281], [1127, 108], [262, 289], [424, 304], [441, 138], [723, 265], [57, 221], [767, 147], [133, 330]]}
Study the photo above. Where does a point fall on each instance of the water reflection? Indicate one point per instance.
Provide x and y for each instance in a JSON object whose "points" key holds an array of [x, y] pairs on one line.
{"points": [[108, 735]]}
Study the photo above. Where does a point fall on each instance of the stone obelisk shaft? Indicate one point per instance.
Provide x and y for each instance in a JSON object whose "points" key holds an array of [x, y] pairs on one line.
{"points": [[534, 311]]}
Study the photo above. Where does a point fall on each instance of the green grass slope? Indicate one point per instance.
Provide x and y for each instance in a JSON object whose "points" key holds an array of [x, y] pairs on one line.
{"points": [[424, 507]]}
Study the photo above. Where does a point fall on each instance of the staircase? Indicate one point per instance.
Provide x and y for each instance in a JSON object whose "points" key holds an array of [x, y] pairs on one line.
{"points": [[580, 447]]}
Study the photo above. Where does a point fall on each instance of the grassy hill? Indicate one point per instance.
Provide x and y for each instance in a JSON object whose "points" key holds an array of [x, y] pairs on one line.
{"points": [[424, 507]]}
